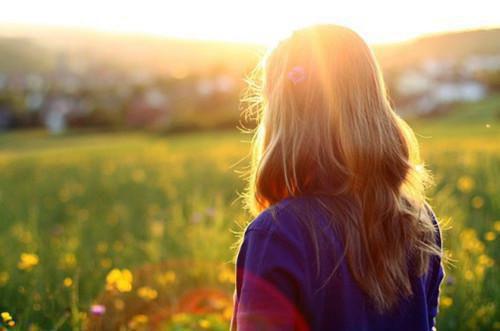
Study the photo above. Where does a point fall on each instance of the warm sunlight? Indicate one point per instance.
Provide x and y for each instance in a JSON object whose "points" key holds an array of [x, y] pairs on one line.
{"points": [[217, 165], [256, 21]]}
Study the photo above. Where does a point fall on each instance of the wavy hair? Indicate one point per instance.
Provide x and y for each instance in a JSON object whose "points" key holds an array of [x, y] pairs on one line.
{"points": [[326, 129]]}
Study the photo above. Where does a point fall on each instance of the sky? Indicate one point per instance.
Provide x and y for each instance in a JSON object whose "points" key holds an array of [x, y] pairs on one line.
{"points": [[261, 21]]}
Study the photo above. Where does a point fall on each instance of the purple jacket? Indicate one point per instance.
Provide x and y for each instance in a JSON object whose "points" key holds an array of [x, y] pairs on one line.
{"points": [[278, 286]]}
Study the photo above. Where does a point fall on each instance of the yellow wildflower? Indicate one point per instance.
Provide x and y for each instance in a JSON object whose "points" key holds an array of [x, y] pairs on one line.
{"points": [[204, 324], [485, 311], [106, 263], [67, 282], [226, 275], [4, 278], [496, 226], [166, 278], [477, 202], [479, 269], [119, 304], [137, 321], [5, 316], [7, 319], [490, 236], [22, 234], [147, 293], [27, 261], [68, 260], [227, 313], [486, 260], [465, 184], [446, 302], [471, 242], [120, 280], [157, 228]]}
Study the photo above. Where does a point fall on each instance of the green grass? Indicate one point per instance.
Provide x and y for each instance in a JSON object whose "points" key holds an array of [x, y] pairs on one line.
{"points": [[166, 209]]}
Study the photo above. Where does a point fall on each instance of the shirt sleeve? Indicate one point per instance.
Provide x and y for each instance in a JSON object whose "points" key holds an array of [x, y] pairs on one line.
{"points": [[270, 275], [436, 278]]}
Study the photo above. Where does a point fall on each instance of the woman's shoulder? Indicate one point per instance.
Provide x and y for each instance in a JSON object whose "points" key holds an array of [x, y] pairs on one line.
{"points": [[284, 210], [283, 218]]}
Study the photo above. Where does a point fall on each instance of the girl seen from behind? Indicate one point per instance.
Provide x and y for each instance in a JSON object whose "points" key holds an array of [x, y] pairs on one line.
{"points": [[343, 237]]}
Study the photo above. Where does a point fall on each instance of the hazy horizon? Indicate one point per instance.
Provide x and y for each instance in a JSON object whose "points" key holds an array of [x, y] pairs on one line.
{"points": [[29, 29], [260, 22]]}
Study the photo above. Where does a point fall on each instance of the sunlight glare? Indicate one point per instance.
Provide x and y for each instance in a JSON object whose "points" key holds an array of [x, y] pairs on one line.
{"points": [[257, 21]]}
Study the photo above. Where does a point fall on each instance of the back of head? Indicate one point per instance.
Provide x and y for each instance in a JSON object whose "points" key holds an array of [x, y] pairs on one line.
{"points": [[326, 129]]}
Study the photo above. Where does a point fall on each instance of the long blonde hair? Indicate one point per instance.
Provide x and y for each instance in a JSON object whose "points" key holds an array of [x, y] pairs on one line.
{"points": [[326, 129]]}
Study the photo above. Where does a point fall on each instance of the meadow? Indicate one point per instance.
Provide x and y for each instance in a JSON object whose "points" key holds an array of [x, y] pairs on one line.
{"points": [[135, 231]]}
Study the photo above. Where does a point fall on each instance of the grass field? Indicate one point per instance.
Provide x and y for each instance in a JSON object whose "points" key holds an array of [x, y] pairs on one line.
{"points": [[130, 230]]}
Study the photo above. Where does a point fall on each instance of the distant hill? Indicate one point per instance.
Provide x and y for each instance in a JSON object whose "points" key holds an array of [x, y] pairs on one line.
{"points": [[34, 47], [454, 45], [129, 51]]}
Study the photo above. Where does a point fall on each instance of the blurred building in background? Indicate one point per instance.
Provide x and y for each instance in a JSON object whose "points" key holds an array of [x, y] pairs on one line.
{"points": [[60, 82]]}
